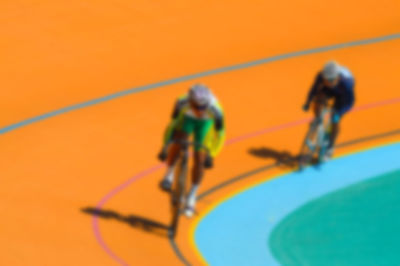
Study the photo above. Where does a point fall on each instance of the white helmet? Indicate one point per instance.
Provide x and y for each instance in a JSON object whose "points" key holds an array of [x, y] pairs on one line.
{"points": [[200, 95], [331, 70]]}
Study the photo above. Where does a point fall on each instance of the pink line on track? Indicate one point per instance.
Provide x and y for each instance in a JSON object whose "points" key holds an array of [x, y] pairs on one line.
{"points": [[112, 193], [377, 104], [267, 130]]}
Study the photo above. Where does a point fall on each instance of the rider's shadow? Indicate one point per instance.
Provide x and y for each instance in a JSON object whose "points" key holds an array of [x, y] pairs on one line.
{"points": [[283, 158], [134, 221]]}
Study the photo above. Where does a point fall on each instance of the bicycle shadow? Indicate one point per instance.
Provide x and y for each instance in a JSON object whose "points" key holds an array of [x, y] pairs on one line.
{"points": [[134, 221], [283, 158]]}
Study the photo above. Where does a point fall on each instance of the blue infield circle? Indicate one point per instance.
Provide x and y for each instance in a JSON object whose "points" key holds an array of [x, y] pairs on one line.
{"points": [[236, 232]]}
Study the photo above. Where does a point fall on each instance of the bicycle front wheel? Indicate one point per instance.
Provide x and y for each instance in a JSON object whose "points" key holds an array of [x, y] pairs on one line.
{"points": [[178, 193], [309, 146]]}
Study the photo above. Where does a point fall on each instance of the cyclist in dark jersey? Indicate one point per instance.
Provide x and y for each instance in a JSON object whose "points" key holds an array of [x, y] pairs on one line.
{"points": [[337, 82]]}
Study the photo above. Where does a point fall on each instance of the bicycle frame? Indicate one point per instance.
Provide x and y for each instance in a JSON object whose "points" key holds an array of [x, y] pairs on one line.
{"points": [[315, 142], [179, 189]]}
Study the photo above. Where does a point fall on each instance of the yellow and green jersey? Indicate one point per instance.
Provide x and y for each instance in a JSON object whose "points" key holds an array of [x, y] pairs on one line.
{"points": [[208, 129]]}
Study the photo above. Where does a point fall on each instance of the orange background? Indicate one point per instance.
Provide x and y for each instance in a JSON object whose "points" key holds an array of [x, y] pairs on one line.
{"points": [[58, 53]]}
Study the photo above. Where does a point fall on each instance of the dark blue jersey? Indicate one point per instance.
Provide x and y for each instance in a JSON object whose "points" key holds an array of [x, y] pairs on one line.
{"points": [[343, 92]]}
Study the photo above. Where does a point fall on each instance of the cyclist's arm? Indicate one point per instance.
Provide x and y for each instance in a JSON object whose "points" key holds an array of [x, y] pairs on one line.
{"points": [[219, 126], [218, 115], [314, 89], [176, 113], [219, 123], [180, 103]]}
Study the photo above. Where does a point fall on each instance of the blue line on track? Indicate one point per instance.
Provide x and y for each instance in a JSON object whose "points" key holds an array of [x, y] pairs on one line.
{"points": [[35, 119]]}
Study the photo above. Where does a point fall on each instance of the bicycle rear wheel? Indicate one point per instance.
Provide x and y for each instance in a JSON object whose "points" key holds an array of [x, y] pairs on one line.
{"points": [[323, 141]]}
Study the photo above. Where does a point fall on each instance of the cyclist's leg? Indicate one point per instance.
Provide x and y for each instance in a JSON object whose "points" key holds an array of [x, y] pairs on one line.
{"points": [[335, 121], [200, 133], [201, 130], [317, 107], [168, 135], [182, 132], [319, 102], [175, 147]]}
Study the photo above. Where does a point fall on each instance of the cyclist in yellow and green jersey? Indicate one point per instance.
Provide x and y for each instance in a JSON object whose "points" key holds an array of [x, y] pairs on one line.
{"points": [[197, 113]]}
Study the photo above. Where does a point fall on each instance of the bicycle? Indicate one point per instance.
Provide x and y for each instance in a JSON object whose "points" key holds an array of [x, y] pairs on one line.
{"points": [[179, 190], [317, 138]]}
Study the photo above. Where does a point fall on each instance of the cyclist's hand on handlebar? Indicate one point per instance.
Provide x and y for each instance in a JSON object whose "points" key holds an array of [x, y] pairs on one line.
{"points": [[209, 162], [162, 156], [306, 107]]}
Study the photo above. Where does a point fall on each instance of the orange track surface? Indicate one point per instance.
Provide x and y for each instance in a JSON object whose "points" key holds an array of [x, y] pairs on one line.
{"points": [[58, 53]]}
